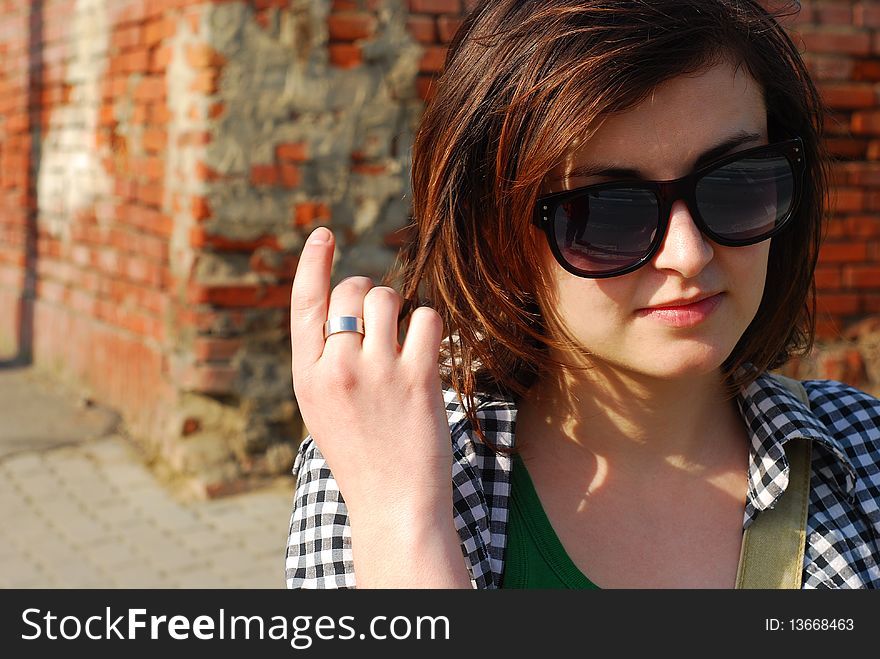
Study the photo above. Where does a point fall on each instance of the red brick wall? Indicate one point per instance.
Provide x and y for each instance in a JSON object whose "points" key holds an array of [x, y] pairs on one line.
{"points": [[841, 41], [103, 309], [16, 183]]}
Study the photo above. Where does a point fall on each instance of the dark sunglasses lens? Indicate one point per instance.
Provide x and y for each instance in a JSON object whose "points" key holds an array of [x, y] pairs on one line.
{"points": [[747, 199], [606, 230]]}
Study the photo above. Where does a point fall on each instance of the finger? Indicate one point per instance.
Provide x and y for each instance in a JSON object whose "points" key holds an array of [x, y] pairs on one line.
{"points": [[381, 307], [308, 298], [347, 299], [422, 343]]}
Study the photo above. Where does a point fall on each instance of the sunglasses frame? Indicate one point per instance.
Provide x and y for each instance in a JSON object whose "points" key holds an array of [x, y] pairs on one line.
{"points": [[667, 193]]}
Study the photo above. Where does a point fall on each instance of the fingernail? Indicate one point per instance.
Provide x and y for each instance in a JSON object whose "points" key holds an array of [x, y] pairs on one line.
{"points": [[320, 236]]}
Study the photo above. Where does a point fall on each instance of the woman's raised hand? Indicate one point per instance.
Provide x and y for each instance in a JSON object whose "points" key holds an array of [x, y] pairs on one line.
{"points": [[376, 412]]}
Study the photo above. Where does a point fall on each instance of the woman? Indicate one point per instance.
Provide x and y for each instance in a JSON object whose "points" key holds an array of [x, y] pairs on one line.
{"points": [[618, 214]]}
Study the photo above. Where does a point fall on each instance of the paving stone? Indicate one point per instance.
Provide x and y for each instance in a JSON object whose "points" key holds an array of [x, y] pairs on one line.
{"points": [[204, 577], [22, 464], [24, 572], [203, 540], [111, 555]]}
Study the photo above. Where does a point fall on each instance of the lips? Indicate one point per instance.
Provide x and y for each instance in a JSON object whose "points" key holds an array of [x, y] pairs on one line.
{"points": [[686, 314], [677, 304]]}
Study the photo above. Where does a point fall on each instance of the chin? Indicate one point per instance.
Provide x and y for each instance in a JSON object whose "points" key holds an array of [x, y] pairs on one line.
{"points": [[684, 364]]}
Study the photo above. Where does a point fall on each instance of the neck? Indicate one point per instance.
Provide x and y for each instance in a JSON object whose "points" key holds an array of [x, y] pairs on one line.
{"points": [[634, 421]]}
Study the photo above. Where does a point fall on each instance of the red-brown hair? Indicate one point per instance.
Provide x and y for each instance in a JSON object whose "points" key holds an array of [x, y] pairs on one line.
{"points": [[523, 81]]}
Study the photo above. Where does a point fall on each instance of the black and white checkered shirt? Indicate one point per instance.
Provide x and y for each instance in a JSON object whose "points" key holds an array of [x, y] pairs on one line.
{"points": [[843, 525]]}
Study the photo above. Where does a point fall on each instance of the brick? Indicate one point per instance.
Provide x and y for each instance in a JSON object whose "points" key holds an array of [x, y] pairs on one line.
{"points": [[370, 169], [827, 328], [866, 123], [865, 174], [432, 59], [843, 252], [205, 173], [863, 226], [833, 13], [155, 140], [200, 237], [135, 61], [350, 26], [157, 31], [150, 194], [305, 214], [150, 89], [292, 151], [264, 175], [846, 147], [435, 6], [241, 296], [844, 200], [836, 40], [159, 114], [345, 56], [866, 14], [206, 349], [861, 276], [205, 81], [160, 58], [200, 208], [289, 175], [195, 138], [848, 95], [201, 56], [447, 27], [827, 277], [422, 28], [866, 70], [127, 37]]}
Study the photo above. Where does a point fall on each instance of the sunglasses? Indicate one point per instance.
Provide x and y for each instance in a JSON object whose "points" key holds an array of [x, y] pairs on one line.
{"points": [[614, 228]]}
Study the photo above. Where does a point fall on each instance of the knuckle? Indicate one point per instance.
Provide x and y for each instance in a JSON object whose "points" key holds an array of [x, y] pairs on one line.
{"points": [[384, 294], [427, 315], [354, 284], [342, 378]]}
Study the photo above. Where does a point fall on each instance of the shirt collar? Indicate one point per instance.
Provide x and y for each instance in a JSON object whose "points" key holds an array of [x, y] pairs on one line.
{"points": [[774, 416]]}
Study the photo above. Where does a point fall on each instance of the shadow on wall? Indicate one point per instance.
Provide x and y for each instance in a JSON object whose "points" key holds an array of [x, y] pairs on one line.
{"points": [[29, 284]]}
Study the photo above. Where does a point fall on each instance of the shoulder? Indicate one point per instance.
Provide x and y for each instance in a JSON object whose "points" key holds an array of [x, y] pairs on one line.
{"points": [[852, 418], [852, 415]]}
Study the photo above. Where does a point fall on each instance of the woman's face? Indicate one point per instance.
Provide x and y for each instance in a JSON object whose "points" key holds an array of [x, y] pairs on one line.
{"points": [[662, 138]]}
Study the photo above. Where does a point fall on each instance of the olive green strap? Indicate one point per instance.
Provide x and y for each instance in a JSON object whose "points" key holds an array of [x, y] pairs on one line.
{"points": [[772, 554]]}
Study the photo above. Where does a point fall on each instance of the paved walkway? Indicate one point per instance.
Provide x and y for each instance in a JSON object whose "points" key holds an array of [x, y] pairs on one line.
{"points": [[79, 508]]}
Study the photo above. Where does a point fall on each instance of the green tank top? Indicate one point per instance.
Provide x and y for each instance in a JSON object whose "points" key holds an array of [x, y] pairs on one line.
{"points": [[535, 558]]}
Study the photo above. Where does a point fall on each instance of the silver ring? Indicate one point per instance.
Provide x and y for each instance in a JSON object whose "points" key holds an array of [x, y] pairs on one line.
{"points": [[343, 324]]}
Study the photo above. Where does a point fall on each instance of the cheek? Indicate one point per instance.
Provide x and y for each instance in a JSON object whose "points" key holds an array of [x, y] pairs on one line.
{"points": [[594, 307], [751, 270]]}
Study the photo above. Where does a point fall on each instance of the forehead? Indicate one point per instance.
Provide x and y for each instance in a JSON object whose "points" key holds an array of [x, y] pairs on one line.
{"points": [[678, 121]]}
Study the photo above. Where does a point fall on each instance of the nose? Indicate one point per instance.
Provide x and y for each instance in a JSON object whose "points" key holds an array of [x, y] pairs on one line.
{"points": [[684, 248]]}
